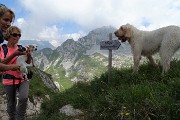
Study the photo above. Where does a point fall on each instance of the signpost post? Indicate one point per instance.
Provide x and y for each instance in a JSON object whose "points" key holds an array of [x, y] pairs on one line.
{"points": [[110, 45]]}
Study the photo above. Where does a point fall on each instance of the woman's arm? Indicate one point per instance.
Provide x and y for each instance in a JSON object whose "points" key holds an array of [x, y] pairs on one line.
{"points": [[9, 58], [4, 67]]}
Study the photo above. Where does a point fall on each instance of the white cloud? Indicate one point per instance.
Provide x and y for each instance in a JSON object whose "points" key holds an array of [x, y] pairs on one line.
{"points": [[45, 17]]}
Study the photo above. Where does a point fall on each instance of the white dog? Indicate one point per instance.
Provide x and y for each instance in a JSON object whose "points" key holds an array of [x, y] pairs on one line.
{"points": [[21, 60], [165, 40]]}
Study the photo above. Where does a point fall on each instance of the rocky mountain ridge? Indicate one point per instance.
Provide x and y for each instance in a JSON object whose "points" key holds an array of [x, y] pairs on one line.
{"points": [[40, 44], [77, 60]]}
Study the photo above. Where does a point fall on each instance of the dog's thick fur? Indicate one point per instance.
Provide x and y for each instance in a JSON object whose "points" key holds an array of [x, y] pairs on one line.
{"points": [[21, 61], [165, 40]]}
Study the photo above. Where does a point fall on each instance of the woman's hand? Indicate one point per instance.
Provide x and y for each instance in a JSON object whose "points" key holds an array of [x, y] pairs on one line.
{"points": [[28, 52], [14, 67], [17, 53], [29, 59]]}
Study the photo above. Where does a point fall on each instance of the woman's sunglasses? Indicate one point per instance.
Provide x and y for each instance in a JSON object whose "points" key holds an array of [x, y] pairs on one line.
{"points": [[15, 35]]}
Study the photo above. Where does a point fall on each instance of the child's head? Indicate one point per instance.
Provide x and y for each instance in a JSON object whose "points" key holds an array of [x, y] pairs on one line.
{"points": [[7, 16]]}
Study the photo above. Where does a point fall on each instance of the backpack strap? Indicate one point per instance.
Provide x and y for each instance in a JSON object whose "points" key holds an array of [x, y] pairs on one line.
{"points": [[1, 36], [4, 46]]}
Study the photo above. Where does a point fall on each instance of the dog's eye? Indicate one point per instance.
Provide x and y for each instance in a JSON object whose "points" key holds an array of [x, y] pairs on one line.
{"points": [[122, 28]]}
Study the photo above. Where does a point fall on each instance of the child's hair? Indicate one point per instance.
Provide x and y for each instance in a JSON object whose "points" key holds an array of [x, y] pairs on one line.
{"points": [[4, 9], [10, 30]]}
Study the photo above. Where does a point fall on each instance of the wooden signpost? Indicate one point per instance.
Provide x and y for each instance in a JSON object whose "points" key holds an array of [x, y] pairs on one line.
{"points": [[110, 45]]}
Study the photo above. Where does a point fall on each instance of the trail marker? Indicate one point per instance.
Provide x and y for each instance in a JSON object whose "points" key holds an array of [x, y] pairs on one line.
{"points": [[110, 45]]}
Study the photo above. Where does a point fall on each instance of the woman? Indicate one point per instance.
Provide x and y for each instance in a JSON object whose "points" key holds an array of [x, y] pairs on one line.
{"points": [[12, 80], [7, 16]]}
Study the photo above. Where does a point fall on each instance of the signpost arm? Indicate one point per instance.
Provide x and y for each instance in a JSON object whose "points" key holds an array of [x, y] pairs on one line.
{"points": [[110, 60]]}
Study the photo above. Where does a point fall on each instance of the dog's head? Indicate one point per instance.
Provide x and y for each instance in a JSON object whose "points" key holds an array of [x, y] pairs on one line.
{"points": [[32, 48], [124, 32]]}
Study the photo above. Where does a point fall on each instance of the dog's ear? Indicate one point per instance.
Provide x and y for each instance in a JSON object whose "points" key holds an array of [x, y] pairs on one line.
{"points": [[128, 33]]}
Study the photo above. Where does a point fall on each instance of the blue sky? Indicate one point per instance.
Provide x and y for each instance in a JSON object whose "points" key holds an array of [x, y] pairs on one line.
{"points": [[58, 20]]}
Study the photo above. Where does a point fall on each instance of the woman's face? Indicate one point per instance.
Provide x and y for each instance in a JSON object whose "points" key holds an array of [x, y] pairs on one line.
{"points": [[5, 21], [14, 37]]}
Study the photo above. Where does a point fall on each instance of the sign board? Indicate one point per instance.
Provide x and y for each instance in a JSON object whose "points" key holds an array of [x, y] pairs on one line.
{"points": [[109, 45]]}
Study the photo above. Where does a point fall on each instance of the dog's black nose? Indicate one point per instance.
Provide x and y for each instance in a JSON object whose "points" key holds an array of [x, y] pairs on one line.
{"points": [[116, 32]]}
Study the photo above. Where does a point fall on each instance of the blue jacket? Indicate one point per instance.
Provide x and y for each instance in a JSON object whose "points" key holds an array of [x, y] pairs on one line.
{"points": [[1, 36]]}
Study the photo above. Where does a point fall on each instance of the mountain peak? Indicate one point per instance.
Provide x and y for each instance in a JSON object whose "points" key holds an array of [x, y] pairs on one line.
{"points": [[40, 44]]}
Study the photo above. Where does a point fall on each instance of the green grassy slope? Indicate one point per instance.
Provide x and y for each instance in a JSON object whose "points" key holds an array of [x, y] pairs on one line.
{"points": [[126, 96], [37, 87]]}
